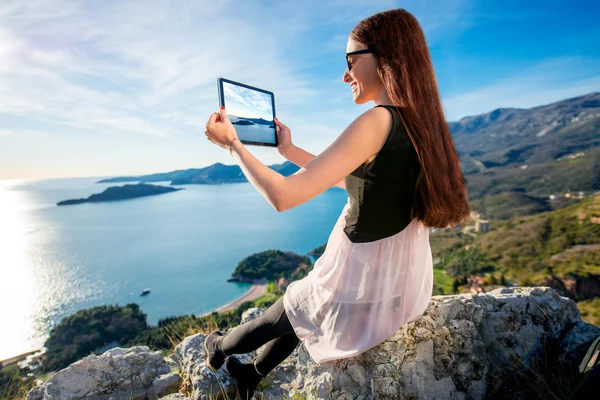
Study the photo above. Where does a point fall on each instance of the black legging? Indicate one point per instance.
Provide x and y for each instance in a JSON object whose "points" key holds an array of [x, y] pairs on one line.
{"points": [[271, 326]]}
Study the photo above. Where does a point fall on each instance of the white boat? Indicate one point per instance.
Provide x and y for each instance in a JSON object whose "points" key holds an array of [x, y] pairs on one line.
{"points": [[145, 292]]}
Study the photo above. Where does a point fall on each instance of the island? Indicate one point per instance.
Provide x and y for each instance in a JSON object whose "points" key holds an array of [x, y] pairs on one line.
{"points": [[271, 265], [115, 193], [318, 252], [243, 122]]}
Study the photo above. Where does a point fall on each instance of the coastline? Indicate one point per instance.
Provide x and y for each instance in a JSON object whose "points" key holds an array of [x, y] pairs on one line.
{"points": [[258, 289]]}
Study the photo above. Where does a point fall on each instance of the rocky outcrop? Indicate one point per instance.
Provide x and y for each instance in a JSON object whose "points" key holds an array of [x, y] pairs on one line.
{"points": [[250, 314], [134, 373], [463, 347]]}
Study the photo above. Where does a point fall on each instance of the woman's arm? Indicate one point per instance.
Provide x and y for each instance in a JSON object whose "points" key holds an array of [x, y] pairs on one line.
{"points": [[301, 157], [364, 137]]}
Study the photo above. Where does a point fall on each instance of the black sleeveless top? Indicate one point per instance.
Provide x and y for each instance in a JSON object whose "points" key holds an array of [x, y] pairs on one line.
{"points": [[381, 192]]}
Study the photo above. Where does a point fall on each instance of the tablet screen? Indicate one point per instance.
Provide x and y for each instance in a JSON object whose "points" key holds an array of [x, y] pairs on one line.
{"points": [[251, 111]]}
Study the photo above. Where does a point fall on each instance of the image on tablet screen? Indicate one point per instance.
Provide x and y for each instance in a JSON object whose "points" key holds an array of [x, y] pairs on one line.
{"points": [[251, 112]]}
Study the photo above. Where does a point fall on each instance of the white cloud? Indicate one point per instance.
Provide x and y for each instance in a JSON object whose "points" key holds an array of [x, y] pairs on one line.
{"points": [[145, 72], [122, 65]]}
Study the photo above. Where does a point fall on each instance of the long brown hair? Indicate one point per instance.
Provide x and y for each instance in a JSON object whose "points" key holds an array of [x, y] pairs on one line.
{"points": [[407, 74]]}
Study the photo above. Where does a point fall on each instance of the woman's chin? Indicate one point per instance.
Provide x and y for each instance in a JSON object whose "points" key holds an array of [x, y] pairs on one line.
{"points": [[358, 99]]}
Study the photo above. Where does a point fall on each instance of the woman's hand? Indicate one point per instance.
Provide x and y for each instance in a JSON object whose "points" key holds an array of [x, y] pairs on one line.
{"points": [[284, 137], [220, 130]]}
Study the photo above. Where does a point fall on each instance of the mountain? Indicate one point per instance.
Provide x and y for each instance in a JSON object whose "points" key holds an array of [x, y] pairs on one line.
{"points": [[532, 143], [125, 192], [550, 149], [214, 174], [554, 176], [160, 177], [535, 135], [536, 152]]}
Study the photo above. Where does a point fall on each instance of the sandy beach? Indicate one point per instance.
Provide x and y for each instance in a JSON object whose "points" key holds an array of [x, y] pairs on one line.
{"points": [[258, 288]]}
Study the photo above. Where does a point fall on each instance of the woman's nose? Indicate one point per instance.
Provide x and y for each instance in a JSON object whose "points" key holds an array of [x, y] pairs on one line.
{"points": [[346, 75]]}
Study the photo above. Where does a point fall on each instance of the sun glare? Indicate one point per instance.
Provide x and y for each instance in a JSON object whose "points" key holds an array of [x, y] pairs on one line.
{"points": [[16, 276]]}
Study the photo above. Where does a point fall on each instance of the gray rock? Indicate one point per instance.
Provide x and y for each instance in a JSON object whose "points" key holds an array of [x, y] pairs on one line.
{"points": [[36, 393], [251, 314], [116, 374], [460, 348], [175, 396], [164, 385], [575, 342]]}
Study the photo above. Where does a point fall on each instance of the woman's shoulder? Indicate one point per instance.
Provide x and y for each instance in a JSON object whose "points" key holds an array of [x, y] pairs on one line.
{"points": [[379, 116]]}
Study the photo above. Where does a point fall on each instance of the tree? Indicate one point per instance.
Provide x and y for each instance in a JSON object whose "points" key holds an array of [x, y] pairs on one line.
{"points": [[455, 286]]}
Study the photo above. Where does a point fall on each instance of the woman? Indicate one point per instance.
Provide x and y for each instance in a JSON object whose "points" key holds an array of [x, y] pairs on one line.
{"points": [[399, 165]]}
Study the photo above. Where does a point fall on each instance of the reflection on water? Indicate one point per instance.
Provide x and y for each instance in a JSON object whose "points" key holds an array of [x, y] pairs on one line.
{"points": [[257, 133], [37, 283]]}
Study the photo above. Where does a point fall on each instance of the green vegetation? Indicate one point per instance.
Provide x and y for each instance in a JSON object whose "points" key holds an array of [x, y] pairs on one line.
{"points": [[524, 247], [442, 283], [510, 204], [467, 262], [590, 311], [266, 300], [83, 332], [527, 249], [273, 264], [318, 252], [443, 243], [14, 383]]}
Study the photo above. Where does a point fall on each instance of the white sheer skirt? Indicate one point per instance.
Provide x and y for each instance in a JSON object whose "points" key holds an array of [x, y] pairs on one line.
{"points": [[360, 294]]}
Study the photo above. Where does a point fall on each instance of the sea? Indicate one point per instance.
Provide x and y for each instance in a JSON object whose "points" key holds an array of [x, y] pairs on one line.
{"points": [[183, 246], [257, 133]]}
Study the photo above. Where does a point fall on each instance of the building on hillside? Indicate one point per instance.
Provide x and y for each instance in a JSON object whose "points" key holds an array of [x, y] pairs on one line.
{"points": [[17, 358], [478, 280], [482, 225]]}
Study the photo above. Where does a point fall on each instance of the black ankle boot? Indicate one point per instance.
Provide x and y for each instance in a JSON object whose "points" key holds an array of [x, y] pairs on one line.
{"points": [[214, 356], [246, 376]]}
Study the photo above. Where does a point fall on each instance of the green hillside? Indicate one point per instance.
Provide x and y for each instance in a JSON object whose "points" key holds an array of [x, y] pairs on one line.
{"points": [[525, 247]]}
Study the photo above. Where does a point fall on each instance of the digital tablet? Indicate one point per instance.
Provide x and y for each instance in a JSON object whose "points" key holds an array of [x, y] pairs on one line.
{"points": [[251, 111]]}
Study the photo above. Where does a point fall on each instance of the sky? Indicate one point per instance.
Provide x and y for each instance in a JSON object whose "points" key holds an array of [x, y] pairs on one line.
{"points": [[248, 103], [118, 87]]}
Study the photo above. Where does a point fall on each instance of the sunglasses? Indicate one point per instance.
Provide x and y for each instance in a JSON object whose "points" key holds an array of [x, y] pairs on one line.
{"points": [[372, 48]]}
